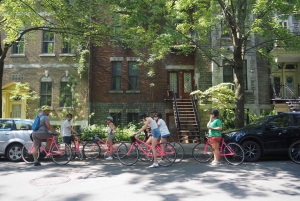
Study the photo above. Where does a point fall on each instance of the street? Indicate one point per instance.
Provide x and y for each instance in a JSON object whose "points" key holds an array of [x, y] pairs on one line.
{"points": [[110, 180]]}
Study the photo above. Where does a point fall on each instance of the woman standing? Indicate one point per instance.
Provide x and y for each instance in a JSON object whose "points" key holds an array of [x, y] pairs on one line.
{"points": [[111, 135], [215, 126]]}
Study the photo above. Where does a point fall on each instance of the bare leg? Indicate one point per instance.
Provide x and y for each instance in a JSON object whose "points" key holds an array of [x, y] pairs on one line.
{"points": [[216, 151], [154, 141]]}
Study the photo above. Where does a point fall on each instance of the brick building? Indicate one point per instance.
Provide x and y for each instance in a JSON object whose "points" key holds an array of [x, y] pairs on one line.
{"points": [[50, 67]]}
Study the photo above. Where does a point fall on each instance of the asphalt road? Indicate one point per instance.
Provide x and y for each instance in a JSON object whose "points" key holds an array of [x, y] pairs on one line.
{"points": [[267, 180]]}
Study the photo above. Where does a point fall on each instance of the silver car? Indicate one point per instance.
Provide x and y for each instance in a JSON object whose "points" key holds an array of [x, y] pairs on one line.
{"points": [[13, 134]]}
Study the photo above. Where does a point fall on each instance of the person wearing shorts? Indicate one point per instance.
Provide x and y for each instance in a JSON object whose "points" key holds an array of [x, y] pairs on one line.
{"points": [[215, 126], [111, 129], [67, 130], [42, 133], [149, 122], [163, 128]]}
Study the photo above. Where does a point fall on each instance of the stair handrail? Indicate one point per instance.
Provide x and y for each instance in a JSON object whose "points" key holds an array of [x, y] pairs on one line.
{"points": [[195, 111], [293, 95], [176, 111]]}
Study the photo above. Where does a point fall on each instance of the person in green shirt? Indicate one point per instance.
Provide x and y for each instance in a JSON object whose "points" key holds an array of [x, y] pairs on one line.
{"points": [[215, 126]]}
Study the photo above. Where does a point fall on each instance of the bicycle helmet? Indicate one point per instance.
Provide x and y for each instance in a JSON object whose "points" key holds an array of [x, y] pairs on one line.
{"points": [[142, 115], [110, 118], [215, 112], [46, 107], [159, 115], [153, 111]]}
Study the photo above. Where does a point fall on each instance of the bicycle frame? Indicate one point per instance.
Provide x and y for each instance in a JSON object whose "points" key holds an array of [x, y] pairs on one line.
{"points": [[221, 147], [53, 143], [138, 143], [104, 145]]}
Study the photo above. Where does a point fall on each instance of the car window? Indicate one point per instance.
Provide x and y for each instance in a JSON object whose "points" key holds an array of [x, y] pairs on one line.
{"points": [[23, 125], [296, 118], [279, 122], [5, 125], [260, 121]]}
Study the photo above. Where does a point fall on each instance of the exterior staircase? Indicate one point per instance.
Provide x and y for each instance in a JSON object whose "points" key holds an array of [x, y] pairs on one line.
{"points": [[187, 121]]}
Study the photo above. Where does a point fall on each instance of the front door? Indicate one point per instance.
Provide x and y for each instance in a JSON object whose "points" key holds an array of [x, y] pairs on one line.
{"points": [[186, 83]]}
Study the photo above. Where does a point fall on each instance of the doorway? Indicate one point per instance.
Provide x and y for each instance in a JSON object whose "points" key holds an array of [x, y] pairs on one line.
{"points": [[181, 82]]}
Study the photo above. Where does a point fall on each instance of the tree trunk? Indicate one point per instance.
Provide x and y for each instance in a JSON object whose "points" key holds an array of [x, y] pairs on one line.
{"points": [[239, 92], [1, 79]]}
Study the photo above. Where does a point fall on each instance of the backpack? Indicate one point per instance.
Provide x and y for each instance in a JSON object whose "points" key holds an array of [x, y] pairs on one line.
{"points": [[36, 123]]}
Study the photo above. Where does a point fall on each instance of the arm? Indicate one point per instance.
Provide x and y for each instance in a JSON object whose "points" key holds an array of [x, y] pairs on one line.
{"points": [[112, 128], [144, 127], [70, 128]]}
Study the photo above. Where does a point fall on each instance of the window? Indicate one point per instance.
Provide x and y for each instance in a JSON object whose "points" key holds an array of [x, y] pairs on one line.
{"points": [[132, 118], [46, 91], [18, 48], [116, 75], [133, 72], [117, 118], [65, 98], [48, 42], [67, 48], [5, 124], [23, 125], [279, 122], [296, 118], [228, 73], [16, 111]]}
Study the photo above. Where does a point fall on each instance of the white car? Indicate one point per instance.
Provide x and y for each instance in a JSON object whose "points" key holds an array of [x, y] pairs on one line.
{"points": [[13, 134]]}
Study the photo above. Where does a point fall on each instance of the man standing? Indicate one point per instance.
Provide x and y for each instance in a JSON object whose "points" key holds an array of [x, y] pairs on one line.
{"points": [[42, 133], [67, 130]]}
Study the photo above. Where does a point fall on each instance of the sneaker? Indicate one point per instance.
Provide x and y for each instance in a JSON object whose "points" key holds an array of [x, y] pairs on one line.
{"points": [[109, 158], [154, 165], [48, 156], [37, 164], [215, 163], [161, 161]]}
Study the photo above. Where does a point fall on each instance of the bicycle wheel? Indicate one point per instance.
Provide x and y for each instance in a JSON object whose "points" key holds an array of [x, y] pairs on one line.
{"points": [[294, 152], [127, 156], [179, 151], [169, 156], [202, 152], [77, 155], [61, 153], [91, 150], [143, 156], [27, 152], [234, 153]]}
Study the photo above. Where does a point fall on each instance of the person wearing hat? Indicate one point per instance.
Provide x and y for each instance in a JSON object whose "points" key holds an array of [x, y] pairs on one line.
{"points": [[215, 126], [111, 129], [42, 133]]}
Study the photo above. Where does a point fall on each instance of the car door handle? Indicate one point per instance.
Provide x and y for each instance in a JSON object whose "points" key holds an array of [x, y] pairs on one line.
{"points": [[7, 133]]}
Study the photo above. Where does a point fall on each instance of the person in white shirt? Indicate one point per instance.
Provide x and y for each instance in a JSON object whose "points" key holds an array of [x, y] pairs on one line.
{"points": [[67, 130], [163, 128]]}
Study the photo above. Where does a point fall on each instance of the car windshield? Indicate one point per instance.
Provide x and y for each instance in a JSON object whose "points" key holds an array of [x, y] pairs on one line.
{"points": [[261, 120]]}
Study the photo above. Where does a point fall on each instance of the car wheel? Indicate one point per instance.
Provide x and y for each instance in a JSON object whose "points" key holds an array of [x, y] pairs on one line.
{"points": [[252, 151], [14, 152]]}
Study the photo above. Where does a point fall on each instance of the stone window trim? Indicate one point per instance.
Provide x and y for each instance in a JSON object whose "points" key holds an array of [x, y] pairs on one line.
{"points": [[67, 55], [67, 108], [116, 91], [16, 55], [133, 91], [116, 58], [132, 58], [46, 55]]}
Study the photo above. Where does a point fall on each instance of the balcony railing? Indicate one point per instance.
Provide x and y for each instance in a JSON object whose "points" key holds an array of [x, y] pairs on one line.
{"points": [[284, 92]]}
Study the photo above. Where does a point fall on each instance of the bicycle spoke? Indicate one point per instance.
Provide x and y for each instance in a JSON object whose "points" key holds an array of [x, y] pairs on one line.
{"points": [[91, 150], [168, 152], [61, 153], [27, 152], [202, 152], [234, 153], [179, 151], [127, 155]]}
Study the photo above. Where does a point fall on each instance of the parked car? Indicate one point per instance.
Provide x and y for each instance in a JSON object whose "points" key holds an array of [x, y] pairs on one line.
{"points": [[13, 134], [268, 136]]}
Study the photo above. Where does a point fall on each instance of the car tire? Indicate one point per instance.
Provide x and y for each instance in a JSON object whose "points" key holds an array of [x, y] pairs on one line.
{"points": [[252, 151], [14, 152]]}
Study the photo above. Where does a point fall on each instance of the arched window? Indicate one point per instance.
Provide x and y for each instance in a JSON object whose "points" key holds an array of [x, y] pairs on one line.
{"points": [[65, 98], [46, 91]]}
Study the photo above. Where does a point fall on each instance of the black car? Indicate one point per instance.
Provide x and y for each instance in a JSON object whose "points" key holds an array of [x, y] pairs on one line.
{"points": [[271, 135]]}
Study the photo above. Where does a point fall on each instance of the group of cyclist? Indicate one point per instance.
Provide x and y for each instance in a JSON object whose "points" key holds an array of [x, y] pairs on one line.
{"points": [[156, 124]]}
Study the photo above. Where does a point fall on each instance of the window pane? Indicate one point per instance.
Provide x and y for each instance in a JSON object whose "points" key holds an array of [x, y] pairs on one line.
{"points": [[116, 75]]}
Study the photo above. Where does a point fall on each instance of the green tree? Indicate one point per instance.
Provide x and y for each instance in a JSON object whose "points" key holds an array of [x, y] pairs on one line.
{"points": [[74, 19], [159, 24]]}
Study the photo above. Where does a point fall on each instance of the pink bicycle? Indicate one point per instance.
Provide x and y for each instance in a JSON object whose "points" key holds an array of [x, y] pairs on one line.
{"points": [[129, 156], [233, 152], [92, 149]]}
